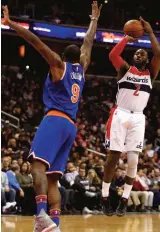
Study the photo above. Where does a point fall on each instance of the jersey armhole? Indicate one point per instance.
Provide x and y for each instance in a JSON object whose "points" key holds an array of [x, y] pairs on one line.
{"points": [[64, 71], [152, 80], [122, 73], [150, 74]]}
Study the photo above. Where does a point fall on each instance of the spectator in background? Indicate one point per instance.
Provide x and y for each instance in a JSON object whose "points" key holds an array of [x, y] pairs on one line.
{"points": [[154, 176], [95, 185], [139, 196], [81, 185], [143, 179], [67, 200], [83, 165], [99, 167], [14, 162], [94, 181], [5, 164], [157, 141], [150, 150], [20, 161], [24, 177], [13, 183], [26, 183], [6, 133], [70, 176], [12, 143], [8, 195], [116, 189]]}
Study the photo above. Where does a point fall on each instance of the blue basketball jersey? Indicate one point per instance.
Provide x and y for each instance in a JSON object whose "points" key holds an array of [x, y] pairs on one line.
{"points": [[65, 94]]}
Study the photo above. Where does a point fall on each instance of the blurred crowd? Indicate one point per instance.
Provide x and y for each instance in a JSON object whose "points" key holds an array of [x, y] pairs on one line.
{"points": [[80, 187], [114, 14]]}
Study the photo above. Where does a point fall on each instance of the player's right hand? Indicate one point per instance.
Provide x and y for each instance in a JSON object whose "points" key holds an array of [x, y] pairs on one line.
{"points": [[131, 39], [6, 18]]}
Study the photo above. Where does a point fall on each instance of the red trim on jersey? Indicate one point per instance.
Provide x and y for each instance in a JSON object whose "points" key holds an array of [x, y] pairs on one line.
{"points": [[114, 55], [109, 122], [135, 71]]}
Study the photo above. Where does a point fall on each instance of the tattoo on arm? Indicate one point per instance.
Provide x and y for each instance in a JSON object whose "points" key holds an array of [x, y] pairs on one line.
{"points": [[87, 44]]}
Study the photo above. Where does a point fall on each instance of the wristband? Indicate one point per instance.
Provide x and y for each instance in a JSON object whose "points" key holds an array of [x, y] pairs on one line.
{"points": [[93, 18]]}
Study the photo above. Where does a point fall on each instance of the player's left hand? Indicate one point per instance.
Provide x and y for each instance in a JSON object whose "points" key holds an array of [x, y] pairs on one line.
{"points": [[95, 10], [131, 39], [6, 19], [146, 25]]}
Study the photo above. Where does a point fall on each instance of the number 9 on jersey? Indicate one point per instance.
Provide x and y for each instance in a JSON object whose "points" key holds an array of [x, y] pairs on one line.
{"points": [[75, 93]]}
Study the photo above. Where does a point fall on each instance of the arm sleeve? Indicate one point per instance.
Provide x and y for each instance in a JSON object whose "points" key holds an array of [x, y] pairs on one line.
{"points": [[16, 185], [13, 181], [115, 53]]}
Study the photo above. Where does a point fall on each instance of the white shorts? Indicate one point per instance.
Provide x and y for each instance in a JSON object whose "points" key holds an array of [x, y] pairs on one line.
{"points": [[125, 130]]}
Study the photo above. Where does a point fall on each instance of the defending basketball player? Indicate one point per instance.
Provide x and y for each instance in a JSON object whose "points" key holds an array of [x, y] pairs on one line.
{"points": [[57, 131], [126, 125]]}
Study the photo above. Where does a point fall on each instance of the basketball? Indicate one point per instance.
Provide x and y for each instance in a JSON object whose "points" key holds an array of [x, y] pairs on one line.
{"points": [[134, 28]]}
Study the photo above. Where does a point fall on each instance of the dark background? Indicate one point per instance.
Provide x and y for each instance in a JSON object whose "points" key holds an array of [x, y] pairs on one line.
{"points": [[114, 13]]}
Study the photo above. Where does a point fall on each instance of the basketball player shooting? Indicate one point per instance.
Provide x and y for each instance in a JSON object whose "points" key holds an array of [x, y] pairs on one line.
{"points": [[126, 124], [57, 131]]}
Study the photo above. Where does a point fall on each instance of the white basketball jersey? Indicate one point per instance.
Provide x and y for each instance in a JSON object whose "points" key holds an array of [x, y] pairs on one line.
{"points": [[134, 90]]}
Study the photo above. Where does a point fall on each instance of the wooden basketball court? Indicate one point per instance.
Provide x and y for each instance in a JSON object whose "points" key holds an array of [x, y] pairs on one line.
{"points": [[89, 223]]}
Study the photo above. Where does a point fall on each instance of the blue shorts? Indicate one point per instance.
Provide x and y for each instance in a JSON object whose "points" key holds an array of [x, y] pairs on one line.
{"points": [[52, 143]]}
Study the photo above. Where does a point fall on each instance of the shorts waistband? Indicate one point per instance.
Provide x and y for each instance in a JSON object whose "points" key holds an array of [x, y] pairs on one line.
{"points": [[130, 111], [60, 114]]}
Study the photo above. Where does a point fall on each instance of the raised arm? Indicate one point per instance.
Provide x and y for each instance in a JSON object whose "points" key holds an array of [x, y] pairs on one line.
{"points": [[89, 37], [155, 63], [52, 58], [115, 54]]}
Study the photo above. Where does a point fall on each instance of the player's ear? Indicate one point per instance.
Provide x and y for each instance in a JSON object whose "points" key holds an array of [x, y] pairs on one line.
{"points": [[147, 61]]}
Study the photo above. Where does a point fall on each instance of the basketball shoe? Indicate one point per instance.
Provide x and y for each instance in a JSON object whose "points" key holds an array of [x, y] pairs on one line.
{"points": [[106, 205], [122, 207], [43, 223]]}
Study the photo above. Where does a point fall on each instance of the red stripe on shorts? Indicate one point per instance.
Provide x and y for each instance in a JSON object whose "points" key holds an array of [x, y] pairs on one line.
{"points": [[109, 122]]}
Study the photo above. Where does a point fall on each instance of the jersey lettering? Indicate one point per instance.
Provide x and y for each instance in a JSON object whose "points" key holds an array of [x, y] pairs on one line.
{"points": [[75, 93], [134, 79]]}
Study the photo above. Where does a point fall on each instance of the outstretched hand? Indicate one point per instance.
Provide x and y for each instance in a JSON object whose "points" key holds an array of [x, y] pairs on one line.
{"points": [[6, 19], [146, 25], [95, 10]]}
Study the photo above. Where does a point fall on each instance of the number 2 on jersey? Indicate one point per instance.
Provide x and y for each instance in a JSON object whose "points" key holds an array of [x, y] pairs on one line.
{"points": [[136, 91], [75, 93]]}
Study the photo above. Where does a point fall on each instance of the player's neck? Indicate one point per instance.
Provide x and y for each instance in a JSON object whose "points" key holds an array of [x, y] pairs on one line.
{"points": [[71, 61], [142, 68]]}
